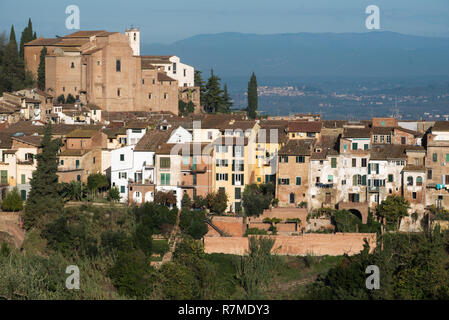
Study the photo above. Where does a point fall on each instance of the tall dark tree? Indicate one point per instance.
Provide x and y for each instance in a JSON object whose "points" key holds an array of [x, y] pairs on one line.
{"points": [[44, 201], [252, 97], [13, 76], [227, 101], [41, 70], [200, 83], [213, 98], [27, 36]]}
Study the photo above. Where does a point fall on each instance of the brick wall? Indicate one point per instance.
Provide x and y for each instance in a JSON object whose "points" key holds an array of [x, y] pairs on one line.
{"points": [[314, 244]]}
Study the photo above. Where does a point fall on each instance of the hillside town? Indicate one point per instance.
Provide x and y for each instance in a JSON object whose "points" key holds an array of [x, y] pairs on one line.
{"points": [[124, 123], [132, 159]]}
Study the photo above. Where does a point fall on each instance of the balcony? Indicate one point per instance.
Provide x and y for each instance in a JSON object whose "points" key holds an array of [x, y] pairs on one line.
{"points": [[373, 188], [25, 162], [194, 168], [186, 184], [141, 182], [324, 185]]}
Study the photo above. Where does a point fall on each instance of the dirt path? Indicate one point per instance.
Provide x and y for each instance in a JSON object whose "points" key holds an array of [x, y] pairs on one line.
{"points": [[173, 240]]}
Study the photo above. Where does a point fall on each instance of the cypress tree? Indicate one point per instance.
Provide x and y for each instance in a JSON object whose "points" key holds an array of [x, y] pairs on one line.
{"points": [[227, 101], [27, 36], [44, 201], [213, 97], [41, 70], [200, 83], [252, 97]]}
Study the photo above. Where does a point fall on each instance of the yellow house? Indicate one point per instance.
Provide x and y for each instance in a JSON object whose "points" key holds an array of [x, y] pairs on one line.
{"points": [[304, 129], [269, 140], [232, 169]]}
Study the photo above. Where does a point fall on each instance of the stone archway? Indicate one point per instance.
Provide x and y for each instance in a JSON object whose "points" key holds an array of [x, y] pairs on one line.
{"points": [[359, 209]]}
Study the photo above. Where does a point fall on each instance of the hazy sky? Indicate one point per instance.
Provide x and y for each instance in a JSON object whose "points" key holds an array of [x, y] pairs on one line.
{"points": [[168, 21]]}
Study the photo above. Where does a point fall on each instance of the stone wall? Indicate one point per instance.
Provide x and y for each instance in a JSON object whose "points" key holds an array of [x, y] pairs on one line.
{"points": [[313, 244]]}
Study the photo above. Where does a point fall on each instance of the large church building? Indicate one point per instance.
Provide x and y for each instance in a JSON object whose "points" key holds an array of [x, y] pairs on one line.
{"points": [[106, 69]]}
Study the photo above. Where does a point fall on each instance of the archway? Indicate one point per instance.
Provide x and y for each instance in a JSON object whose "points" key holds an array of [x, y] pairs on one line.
{"points": [[357, 213]]}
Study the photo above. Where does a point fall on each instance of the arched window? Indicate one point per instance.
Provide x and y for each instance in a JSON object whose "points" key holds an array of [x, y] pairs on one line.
{"points": [[419, 181], [410, 181], [72, 65]]}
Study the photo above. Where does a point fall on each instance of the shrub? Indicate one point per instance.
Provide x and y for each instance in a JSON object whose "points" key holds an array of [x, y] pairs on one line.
{"points": [[12, 201], [114, 194], [255, 231]]}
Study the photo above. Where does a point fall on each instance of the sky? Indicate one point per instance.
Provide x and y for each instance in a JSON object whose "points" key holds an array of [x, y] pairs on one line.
{"points": [[169, 21]]}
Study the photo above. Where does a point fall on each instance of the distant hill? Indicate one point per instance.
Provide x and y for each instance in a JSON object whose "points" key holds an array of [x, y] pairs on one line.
{"points": [[370, 54]]}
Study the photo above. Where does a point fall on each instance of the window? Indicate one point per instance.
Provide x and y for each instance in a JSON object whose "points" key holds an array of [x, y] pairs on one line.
{"points": [[434, 157], [238, 165], [122, 157], [364, 162], [77, 164], [414, 195], [98, 62], [118, 65], [292, 198], [165, 163], [238, 151], [343, 182], [134, 36], [78, 178], [165, 179], [174, 67], [284, 181], [61, 162], [429, 174], [72, 65], [375, 138], [354, 162], [23, 195], [330, 178], [93, 160], [390, 178], [419, 181], [403, 140], [389, 139], [410, 181], [365, 146], [283, 159], [354, 146], [298, 181], [118, 92], [237, 179], [209, 135], [300, 159], [149, 96], [23, 178], [165, 95], [333, 162], [122, 189], [122, 175], [185, 72], [238, 193], [221, 149], [222, 177], [447, 157], [382, 139], [354, 197]]}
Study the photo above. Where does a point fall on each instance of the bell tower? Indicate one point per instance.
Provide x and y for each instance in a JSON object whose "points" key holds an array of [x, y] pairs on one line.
{"points": [[134, 39]]}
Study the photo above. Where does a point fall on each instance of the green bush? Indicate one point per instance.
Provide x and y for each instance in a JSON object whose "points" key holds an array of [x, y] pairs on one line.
{"points": [[193, 223], [256, 231], [12, 201], [160, 247]]}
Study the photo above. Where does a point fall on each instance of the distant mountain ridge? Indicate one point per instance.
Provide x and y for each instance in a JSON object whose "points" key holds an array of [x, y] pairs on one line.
{"points": [[369, 54]]}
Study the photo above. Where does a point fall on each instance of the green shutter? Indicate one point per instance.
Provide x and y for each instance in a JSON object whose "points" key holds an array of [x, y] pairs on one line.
{"points": [[364, 180], [377, 168], [434, 157], [447, 157], [333, 162], [23, 178], [369, 168], [390, 178], [298, 181], [4, 177], [354, 146]]}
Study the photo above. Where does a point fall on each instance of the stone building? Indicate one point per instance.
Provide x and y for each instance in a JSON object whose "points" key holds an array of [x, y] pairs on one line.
{"points": [[102, 68]]}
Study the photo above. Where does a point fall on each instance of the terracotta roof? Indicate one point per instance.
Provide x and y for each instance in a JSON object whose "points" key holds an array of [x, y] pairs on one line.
{"points": [[387, 151], [82, 133], [152, 140], [43, 42], [382, 130], [304, 126], [5, 140], [441, 126], [85, 34], [297, 147], [114, 132], [328, 146], [32, 140], [162, 76], [415, 133], [237, 124], [357, 133], [411, 167]]}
